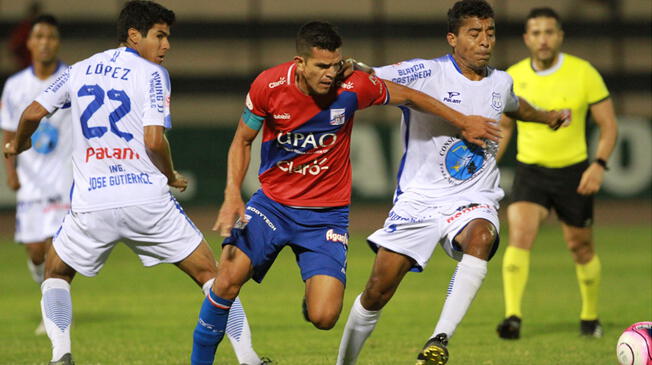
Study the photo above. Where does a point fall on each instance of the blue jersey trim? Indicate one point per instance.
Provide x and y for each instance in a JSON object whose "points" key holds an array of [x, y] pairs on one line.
{"points": [[128, 49], [72, 188], [252, 120], [406, 119], [450, 57]]}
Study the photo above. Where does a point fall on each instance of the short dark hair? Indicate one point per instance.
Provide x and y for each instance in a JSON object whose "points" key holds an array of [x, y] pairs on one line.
{"points": [[47, 19], [142, 15], [467, 9], [318, 34], [543, 12]]}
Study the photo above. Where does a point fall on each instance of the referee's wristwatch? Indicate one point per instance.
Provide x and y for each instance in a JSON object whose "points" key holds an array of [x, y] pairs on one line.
{"points": [[602, 162]]}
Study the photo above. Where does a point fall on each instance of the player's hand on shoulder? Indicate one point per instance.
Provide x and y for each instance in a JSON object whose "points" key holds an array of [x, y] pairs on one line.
{"points": [[591, 180], [558, 119], [231, 212], [179, 181], [350, 65], [476, 129]]}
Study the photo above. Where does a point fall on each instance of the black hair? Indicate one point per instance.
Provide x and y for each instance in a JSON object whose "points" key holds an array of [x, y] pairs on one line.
{"points": [[142, 15], [467, 9], [47, 19], [322, 35], [543, 12]]}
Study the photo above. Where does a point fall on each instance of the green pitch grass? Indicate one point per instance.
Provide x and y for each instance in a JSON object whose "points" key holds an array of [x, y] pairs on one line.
{"points": [[132, 315]]}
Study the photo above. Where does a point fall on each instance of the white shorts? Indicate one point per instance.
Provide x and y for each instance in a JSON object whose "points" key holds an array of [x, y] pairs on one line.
{"points": [[157, 232], [414, 229], [38, 220]]}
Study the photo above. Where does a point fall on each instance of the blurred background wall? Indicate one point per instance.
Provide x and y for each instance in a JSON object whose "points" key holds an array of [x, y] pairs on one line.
{"points": [[219, 46]]}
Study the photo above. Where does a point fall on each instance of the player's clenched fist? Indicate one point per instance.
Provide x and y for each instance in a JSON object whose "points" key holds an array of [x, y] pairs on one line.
{"points": [[558, 118], [232, 211], [10, 149], [179, 181]]}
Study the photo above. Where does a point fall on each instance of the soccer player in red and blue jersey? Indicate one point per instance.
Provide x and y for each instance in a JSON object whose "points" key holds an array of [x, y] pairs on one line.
{"points": [[305, 108]]}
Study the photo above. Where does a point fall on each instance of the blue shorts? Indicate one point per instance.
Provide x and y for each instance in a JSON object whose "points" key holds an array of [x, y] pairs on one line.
{"points": [[318, 237]]}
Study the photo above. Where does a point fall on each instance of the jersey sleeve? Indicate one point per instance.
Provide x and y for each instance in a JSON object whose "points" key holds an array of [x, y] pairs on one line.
{"points": [[511, 102], [8, 119], [596, 90], [57, 95], [157, 110], [255, 110], [371, 90]]}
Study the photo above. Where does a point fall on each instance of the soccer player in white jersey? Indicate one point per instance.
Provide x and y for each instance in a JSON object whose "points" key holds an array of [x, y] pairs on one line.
{"points": [[122, 168], [447, 191], [41, 176]]}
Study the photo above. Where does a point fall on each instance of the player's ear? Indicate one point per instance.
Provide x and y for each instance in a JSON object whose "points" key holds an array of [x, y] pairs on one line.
{"points": [[452, 39], [300, 62], [134, 36]]}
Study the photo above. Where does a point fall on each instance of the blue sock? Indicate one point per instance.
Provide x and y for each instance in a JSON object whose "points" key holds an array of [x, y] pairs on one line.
{"points": [[210, 329]]}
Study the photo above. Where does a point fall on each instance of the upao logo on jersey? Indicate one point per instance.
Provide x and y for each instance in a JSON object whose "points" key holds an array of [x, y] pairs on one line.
{"points": [[462, 160], [302, 142], [337, 237], [338, 116], [496, 101]]}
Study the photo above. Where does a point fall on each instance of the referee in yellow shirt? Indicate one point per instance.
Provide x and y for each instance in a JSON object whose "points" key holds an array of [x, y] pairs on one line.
{"points": [[552, 168]]}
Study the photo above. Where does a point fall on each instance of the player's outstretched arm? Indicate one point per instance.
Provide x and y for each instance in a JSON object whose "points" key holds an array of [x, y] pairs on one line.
{"points": [[158, 150], [527, 113], [507, 127], [605, 117], [474, 128], [237, 164], [29, 121]]}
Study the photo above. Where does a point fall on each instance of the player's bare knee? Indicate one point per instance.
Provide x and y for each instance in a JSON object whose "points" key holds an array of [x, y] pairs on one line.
{"points": [[323, 320], [225, 287], [479, 242], [582, 251]]}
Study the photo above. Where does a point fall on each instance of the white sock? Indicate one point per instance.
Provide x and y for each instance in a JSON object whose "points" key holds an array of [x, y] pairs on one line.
{"points": [[238, 331], [207, 286], [464, 285], [358, 328], [37, 271], [56, 307]]}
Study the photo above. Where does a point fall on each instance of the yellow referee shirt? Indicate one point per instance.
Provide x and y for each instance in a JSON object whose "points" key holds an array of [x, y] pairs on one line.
{"points": [[572, 83]]}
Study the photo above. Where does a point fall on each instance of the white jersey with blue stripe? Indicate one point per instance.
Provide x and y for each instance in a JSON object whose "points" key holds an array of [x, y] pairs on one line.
{"points": [[438, 167], [45, 170], [114, 95]]}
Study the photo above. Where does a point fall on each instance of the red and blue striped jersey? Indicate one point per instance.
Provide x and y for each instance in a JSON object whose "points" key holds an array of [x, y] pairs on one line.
{"points": [[305, 146]]}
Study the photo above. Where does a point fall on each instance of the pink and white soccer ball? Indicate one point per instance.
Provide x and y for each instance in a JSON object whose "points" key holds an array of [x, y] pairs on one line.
{"points": [[635, 345]]}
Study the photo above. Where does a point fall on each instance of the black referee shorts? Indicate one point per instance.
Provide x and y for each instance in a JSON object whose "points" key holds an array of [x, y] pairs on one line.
{"points": [[555, 188]]}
